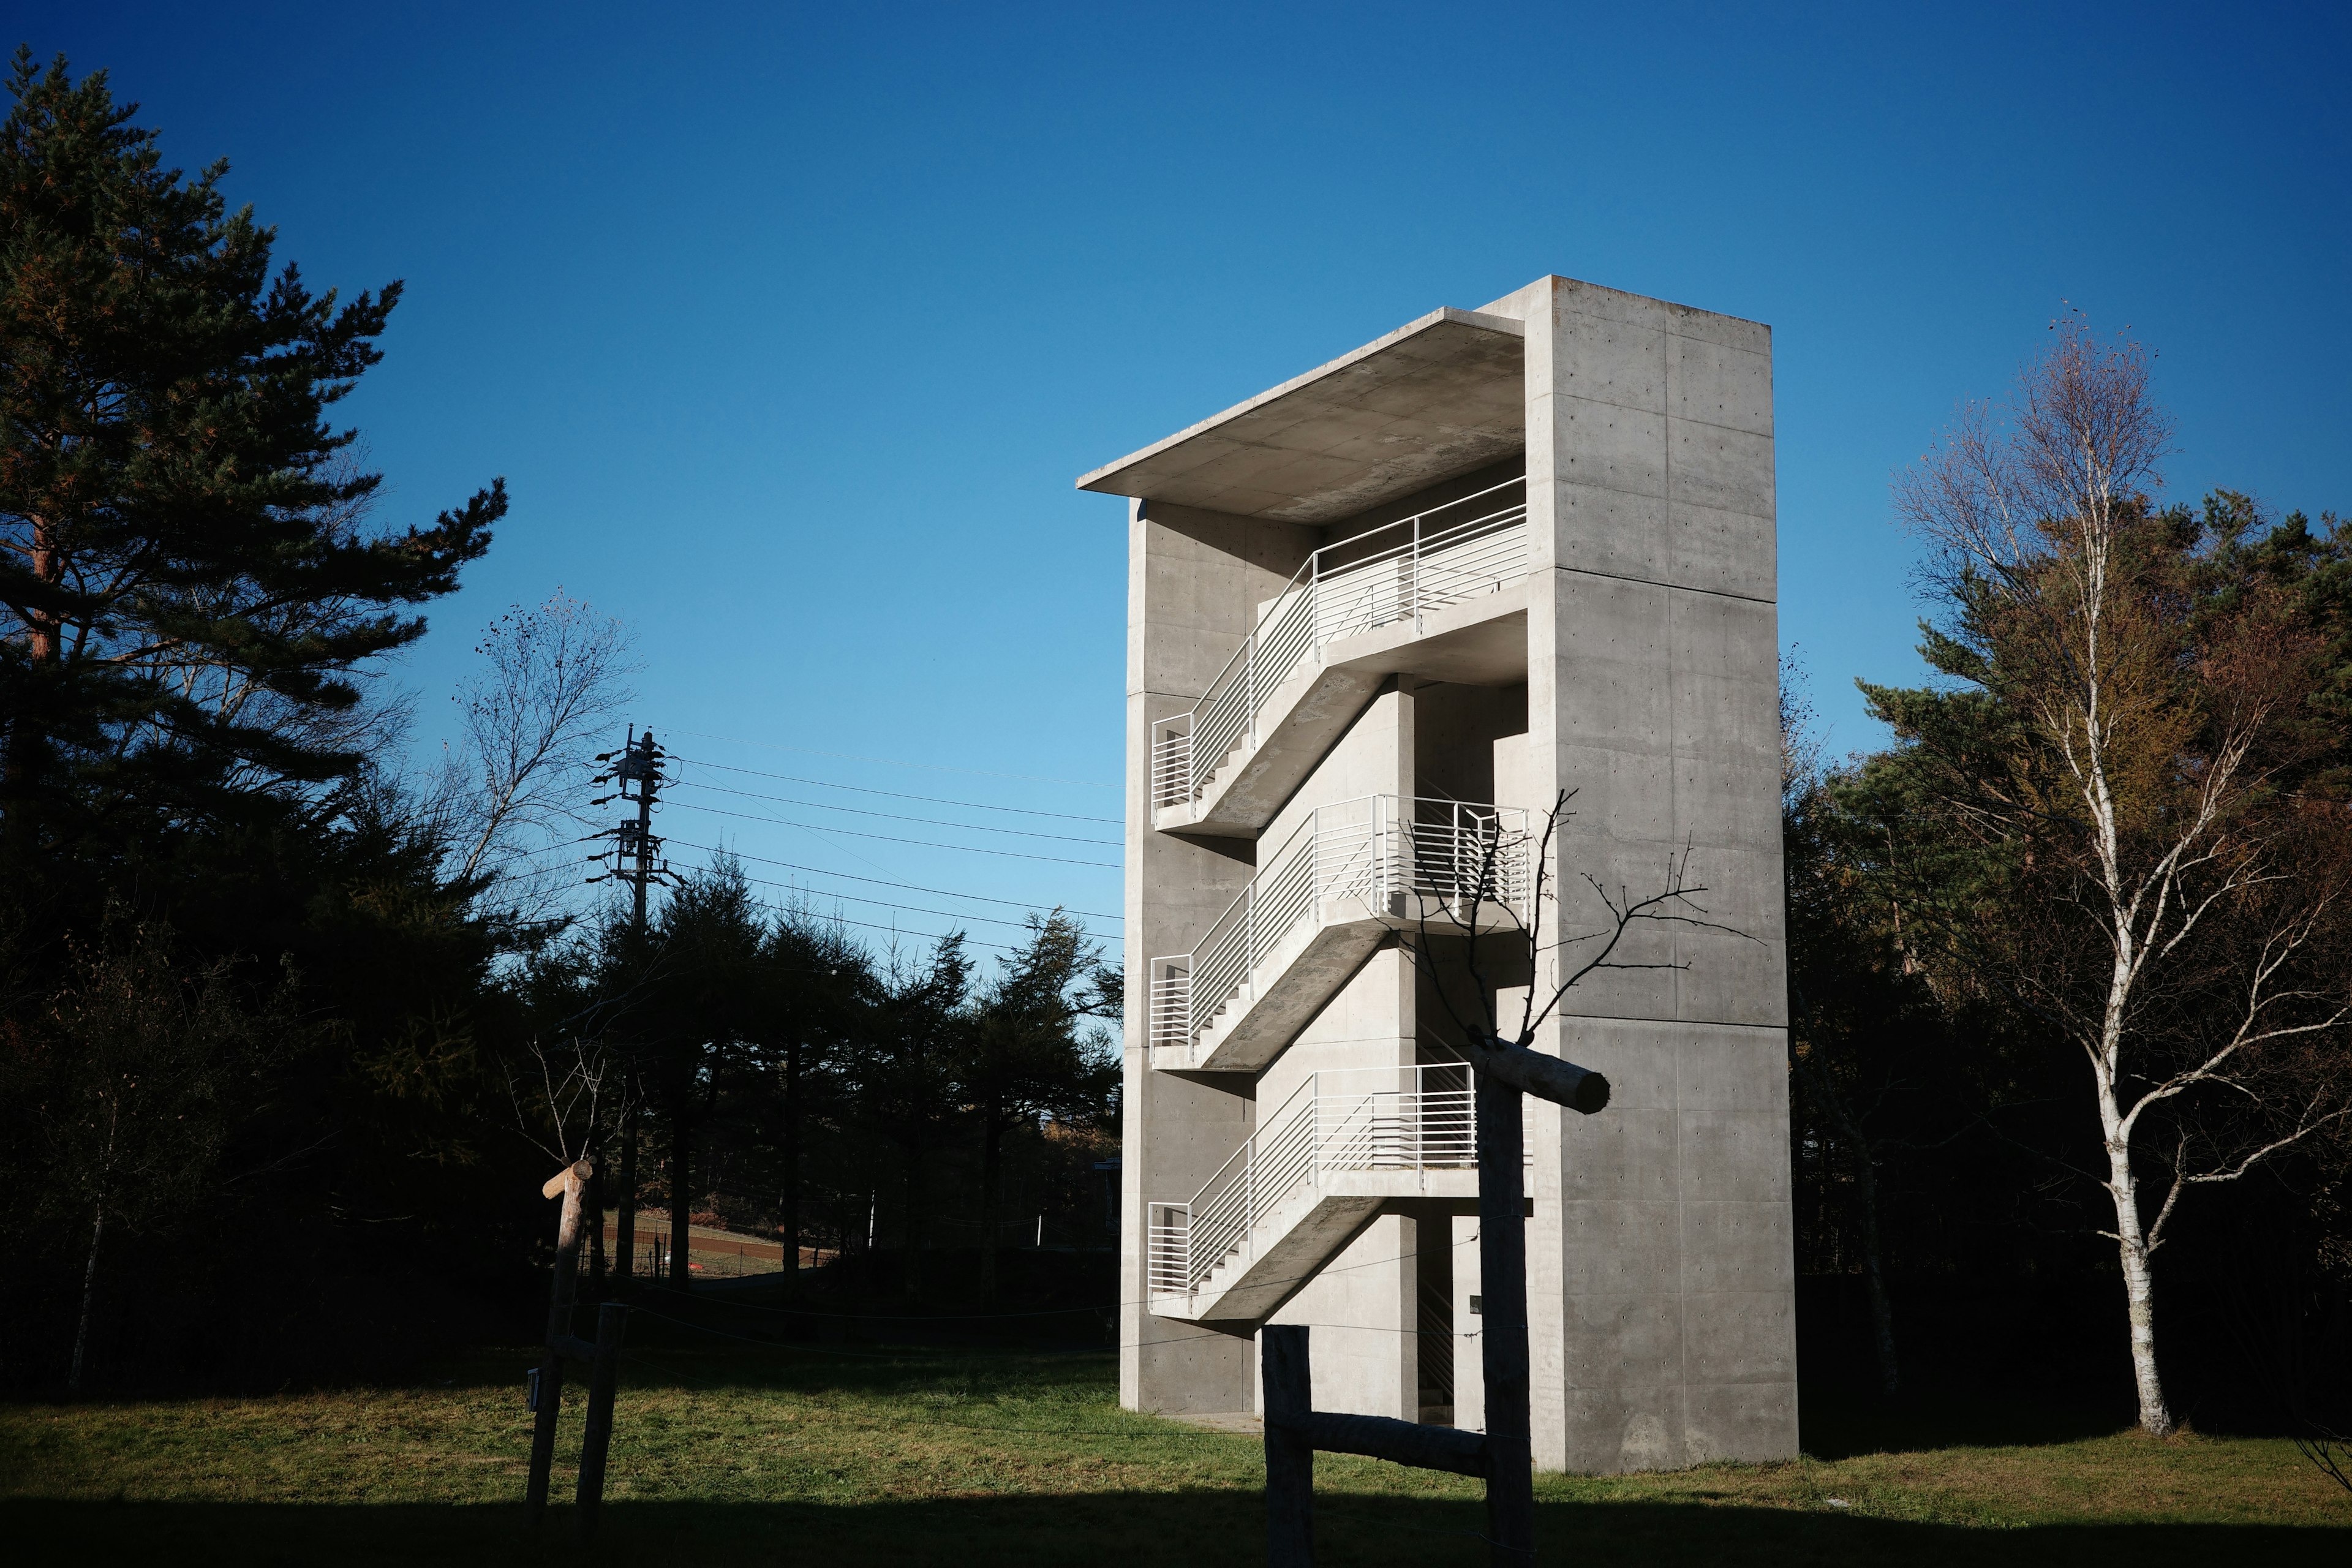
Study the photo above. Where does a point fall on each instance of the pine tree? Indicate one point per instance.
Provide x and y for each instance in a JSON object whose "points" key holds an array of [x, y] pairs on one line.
{"points": [[188, 582]]}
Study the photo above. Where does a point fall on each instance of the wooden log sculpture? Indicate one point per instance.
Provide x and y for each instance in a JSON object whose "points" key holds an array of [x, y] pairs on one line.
{"points": [[1505, 1453], [603, 1356]]}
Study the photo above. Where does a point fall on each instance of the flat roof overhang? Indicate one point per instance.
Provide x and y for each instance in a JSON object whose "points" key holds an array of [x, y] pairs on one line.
{"points": [[1437, 397]]}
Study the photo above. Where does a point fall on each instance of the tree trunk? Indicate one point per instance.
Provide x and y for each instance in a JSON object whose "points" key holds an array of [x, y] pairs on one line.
{"points": [[791, 1205], [991, 1167], [89, 1292], [625, 1242], [596, 1196], [2139, 1293], [1882, 1313], [1824, 1090], [681, 1195], [910, 1270]]}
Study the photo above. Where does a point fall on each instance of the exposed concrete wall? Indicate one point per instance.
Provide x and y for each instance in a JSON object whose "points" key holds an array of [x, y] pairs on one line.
{"points": [[1660, 1274], [1195, 579], [1662, 1284]]}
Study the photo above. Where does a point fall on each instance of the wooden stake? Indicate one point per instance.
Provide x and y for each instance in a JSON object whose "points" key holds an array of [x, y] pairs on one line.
{"points": [[1503, 1332], [1506, 1075], [571, 1182], [1289, 1457], [612, 1323]]}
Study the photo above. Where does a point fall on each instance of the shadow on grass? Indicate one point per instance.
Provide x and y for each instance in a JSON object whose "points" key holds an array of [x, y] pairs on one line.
{"points": [[1840, 1423], [1129, 1530]]}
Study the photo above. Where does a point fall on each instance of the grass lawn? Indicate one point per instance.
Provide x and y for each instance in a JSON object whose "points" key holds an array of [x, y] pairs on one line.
{"points": [[984, 1458]]}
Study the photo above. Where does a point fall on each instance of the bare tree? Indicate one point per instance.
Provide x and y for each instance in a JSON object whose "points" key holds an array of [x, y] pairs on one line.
{"points": [[2179, 902], [154, 1063], [1477, 886], [555, 677], [567, 1096]]}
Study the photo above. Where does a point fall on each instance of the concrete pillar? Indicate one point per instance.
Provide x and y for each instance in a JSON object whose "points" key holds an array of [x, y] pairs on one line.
{"points": [[1193, 578], [1660, 1255]]}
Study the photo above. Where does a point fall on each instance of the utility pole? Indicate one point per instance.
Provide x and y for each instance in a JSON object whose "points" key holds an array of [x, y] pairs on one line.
{"points": [[634, 857]]}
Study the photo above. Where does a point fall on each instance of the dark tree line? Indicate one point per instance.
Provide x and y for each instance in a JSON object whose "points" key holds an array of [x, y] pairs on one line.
{"points": [[2070, 963], [288, 1031], [756, 1069]]}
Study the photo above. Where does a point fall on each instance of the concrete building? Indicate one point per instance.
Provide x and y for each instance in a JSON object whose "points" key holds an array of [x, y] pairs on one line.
{"points": [[1379, 618]]}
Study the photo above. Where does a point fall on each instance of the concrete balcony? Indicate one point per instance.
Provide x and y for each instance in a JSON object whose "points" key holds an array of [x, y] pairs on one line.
{"points": [[1440, 595], [1338, 884], [1344, 1146]]}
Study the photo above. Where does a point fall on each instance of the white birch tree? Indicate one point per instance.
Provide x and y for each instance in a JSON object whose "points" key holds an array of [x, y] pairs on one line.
{"points": [[2180, 898]]}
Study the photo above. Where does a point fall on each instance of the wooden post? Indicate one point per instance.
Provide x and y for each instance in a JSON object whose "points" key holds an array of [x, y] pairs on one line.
{"points": [[1505, 1456], [1288, 1401], [570, 1182], [1503, 1332], [612, 1323]]}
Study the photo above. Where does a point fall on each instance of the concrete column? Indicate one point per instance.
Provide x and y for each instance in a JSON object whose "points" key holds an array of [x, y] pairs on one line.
{"points": [[1195, 581], [1659, 1255]]}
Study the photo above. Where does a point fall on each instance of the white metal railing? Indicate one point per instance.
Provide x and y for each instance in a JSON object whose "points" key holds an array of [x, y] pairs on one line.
{"points": [[1371, 848], [1398, 572], [1352, 1118]]}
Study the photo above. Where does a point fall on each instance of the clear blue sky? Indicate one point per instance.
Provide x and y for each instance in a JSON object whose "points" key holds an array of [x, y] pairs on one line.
{"points": [[790, 325]]}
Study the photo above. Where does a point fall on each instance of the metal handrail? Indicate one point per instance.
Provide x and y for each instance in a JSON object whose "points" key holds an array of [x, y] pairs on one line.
{"points": [[1401, 571], [1370, 850], [1420, 1118]]}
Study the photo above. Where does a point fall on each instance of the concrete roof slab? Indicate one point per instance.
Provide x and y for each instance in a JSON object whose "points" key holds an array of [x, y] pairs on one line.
{"points": [[1435, 398]]}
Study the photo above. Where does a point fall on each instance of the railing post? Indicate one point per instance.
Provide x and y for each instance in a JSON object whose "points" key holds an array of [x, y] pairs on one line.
{"points": [[1414, 575], [1315, 1121], [1249, 1199]]}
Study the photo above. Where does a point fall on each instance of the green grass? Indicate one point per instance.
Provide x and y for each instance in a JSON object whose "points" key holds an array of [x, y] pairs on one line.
{"points": [[972, 1458]]}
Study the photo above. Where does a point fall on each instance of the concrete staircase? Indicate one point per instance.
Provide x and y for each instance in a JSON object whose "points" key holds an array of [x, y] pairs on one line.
{"points": [[1345, 1147], [1348, 875], [1442, 595]]}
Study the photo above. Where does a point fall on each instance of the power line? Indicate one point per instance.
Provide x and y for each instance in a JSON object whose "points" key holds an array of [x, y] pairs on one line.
{"points": [[894, 762], [900, 817], [906, 909], [895, 794], [895, 931], [889, 838], [884, 882]]}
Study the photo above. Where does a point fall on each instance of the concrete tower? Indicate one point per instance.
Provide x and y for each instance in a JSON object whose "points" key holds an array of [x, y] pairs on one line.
{"points": [[1379, 618]]}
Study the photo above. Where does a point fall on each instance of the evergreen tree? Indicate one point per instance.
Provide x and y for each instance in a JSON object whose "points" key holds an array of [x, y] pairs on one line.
{"points": [[187, 580], [1030, 1057]]}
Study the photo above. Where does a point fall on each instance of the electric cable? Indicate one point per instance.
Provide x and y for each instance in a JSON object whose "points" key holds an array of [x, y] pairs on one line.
{"points": [[906, 909], [890, 838], [894, 762], [900, 817], [884, 882], [895, 794]]}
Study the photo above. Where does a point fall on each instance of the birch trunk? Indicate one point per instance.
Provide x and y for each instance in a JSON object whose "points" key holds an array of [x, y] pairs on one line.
{"points": [[2139, 1279], [89, 1292]]}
